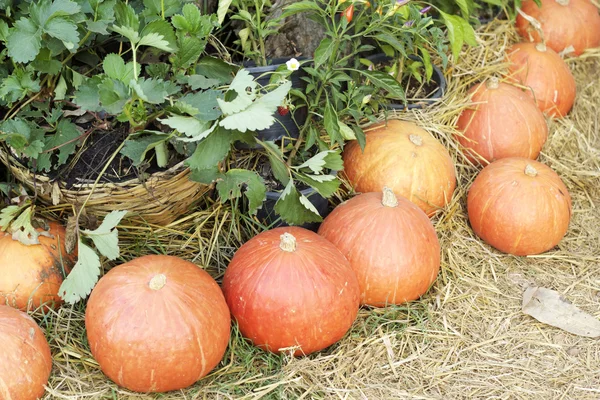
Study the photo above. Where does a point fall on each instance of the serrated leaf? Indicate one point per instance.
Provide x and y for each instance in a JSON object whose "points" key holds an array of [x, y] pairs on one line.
{"points": [[24, 41], [136, 149], [206, 104], [126, 16], [106, 237], [128, 32], [114, 66], [159, 34], [22, 229], [292, 210], [215, 68], [230, 187], [222, 10], [7, 215], [46, 63], [113, 95], [87, 96], [201, 82], [154, 91], [63, 7], [325, 185], [278, 166], [18, 85], [3, 31], [330, 120], [82, 279], [190, 49], [244, 85], [64, 30], [64, 142], [190, 21], [190, 126], [259, 115], [104, 15], [212, 150]]}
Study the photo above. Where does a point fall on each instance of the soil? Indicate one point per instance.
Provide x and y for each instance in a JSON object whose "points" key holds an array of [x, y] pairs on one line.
{"points": [[416, 90], [88, 162]]}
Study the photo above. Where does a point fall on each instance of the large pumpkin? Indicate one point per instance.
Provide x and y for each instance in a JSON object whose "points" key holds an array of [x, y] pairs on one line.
{"points": [[546, 74], [289, 287], [25, 359], [157, 323], [519, 206], [390, 243], [564, 23], [405, 158], [503, 122], [31, 275]]}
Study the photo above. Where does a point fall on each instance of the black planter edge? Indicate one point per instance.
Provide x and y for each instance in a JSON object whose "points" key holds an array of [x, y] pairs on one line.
{"points": [[438, 77]]}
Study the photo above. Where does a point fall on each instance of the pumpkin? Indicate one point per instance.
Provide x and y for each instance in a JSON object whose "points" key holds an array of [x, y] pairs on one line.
{"points": [[503, 122], [290, 288], [564, 23], [157, 323], [519, 206], [25, 359], [390, 243], [546, 74], [30, 276], [405, 158]]}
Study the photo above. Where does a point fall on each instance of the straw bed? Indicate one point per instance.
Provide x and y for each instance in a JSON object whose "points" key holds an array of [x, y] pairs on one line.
{"points": [[466, 339]]}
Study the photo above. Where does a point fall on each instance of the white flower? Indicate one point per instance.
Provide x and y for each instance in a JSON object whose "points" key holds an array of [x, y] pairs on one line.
{"points": [[293, 65], [366, 99]]}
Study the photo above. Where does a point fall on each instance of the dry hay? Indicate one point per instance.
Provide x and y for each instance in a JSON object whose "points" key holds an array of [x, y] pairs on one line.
{"points": [[466, 339]]}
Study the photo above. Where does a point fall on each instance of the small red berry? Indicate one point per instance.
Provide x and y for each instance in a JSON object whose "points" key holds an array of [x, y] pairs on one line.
{"points": [[283, 111]]}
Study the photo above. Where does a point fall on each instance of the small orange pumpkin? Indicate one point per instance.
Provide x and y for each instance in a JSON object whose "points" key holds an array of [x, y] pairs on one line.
{"points": [[519, 206], [30, 276], [564, 23], [25, 359], [390, 243], [405, 158], [547, 75], [503, 122]]}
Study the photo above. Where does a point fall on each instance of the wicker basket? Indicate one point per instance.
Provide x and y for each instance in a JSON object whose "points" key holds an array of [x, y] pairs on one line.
{"points": [[160, 199]]}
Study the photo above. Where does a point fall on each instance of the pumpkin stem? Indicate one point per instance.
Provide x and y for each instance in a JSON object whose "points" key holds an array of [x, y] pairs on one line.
{"points": [[541, 47], [288, 242], [416, 140], [158, 282], [493, 83], [563, 2], [389, 198], [530, 170]]}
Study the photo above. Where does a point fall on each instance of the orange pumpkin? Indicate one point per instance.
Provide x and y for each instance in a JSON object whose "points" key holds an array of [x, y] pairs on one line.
{"points": [[157, 323], [25, 359], [564, 23], [546, 74], [519, 206], [289, 287], [31, 275], [503, 122], [405, 158], [390, 243]]}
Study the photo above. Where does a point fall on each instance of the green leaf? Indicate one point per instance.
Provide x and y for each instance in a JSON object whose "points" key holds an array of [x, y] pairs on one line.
{"points": [[259, 115], [24, 41], [63, 140], [326, 185], [18, 85], [278, 166], [114, 66], [190, 126], [189, 21], [201, 82], [3, 31], [301, 7], [244, 85], [22, 229], [7, 215], [459, 32], [190, 49], [346, 132], [159, 34], [154, 91], [129, 33], [106, 237], [386, 82], [60, 91], [87, 96], [113, 95], [222, 10], [82, 279], [215, 68], [136, 149], [206, 104], [64, 30], [230, 187], [63, 7], [323, 52], [331, 124], [104, 15], [292, 210], [126, 16], [46, 63], [211, 150], [34, 149], [392, 41]]}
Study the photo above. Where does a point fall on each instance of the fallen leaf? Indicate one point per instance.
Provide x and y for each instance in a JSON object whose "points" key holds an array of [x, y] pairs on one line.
{"points": [[549, 307]]}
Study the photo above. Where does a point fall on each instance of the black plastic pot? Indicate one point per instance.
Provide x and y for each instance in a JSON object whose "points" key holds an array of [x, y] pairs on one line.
{"points": [[438, 78], [285, 125]]}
